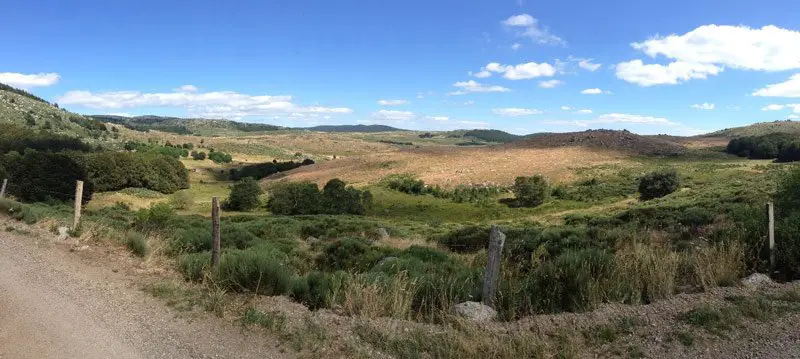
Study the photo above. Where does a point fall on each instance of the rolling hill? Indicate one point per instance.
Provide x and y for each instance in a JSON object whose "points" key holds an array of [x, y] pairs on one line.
{"points": [[353, 128], [186, 126], [757, 129], [605, 139]]}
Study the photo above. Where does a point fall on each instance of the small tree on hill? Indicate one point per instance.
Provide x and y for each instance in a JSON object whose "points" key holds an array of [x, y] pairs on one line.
{"points": [[658, 184], [293, 198], [244, 196], [531, 191], [199, 156]]}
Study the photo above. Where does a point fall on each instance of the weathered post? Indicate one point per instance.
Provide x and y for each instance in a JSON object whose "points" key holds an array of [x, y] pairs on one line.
{"points": [[496, 241], [771, 235], [215, 232], [76, 219], [3, 188]]}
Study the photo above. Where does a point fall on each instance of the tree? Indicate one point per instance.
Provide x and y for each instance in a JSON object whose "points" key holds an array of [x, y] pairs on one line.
{"points": [[199, 156], [294, 198], [220, 157], [244, 196], [338, 199], [531, 191], [658, 184]]}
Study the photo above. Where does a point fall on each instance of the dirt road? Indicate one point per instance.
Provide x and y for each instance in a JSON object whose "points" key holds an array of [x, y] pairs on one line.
{"points": [[54, 305]]}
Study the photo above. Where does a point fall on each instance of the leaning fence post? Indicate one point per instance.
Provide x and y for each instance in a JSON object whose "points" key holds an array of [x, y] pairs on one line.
{"points": [[771, 235], [496, 241], [3, 188], [76, 219], [215, 232]]}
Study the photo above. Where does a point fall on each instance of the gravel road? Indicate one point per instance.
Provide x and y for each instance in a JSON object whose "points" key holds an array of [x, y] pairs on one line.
{"points": [[55, 305]]}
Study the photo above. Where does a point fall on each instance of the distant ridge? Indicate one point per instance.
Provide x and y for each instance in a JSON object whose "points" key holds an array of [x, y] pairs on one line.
{"points": [[606, 139], [757, 129], [353, 128], [186, 126]]}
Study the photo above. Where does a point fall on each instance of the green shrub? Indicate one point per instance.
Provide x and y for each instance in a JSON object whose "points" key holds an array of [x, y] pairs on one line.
{"points": [[658, 184], [294, 198], [405, 183], [314, 289], [531, 191], [193, 265], [44, 176], [244, 195], [760, 147], [137, 243], [220, 157], [336, 198], [346, 254], [260, 270], [18, 211], [181, 200], [156, 217], [198, 156]]}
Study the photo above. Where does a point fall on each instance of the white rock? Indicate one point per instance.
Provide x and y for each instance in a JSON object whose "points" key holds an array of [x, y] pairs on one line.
{"points": [[756, 280], [474, 311], [63, 233], [382, 234]]}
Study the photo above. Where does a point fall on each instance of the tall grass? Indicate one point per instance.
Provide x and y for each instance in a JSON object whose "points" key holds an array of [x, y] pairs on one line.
{"points": [[713, 265], [370, 295], [645, 273]]}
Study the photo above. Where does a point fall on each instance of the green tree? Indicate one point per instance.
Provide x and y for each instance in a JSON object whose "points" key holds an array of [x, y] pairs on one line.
{"points": [[658, 184], [294, 198], [199, 156], [244, 196], [531, 191], [220, 157]]}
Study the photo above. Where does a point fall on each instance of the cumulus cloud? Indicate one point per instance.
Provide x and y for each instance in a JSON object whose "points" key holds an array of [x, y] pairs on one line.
{"points": [[584, 111], [466, 87], [617, 118], [226, 104], [392, 102], [708, 49], [587, 64], [438, 118], [186, 88], [516, 46], [789, 88], [27, 81], [566, 108], [517, 72], [548, 84], [528, 26], [704, 106], [595, 91], [776, 107], [513, 112]]}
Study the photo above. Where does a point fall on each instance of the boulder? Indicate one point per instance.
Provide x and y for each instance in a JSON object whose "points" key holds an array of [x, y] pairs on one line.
{"points": [[756, 281], [475, 312], [63, 233], [382, 234], [311, 240]]}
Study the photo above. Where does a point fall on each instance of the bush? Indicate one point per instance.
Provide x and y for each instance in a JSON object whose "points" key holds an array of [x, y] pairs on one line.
{"points": [[220, 157], [137, 243], [787, 232], [531, 191], [314, 290], [194, 265], [298, 198], [43, 176], [261, 170], [658, 184], [113, 171], [760, 147], [198, 156], [181, 200], [156, 217], [244, 196], [336, 198], [347, 254], [259, 270], [405, 183]]}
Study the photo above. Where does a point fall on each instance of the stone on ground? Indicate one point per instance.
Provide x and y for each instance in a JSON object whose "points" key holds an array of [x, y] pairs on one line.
{"points": [[475, 312], [757, 280]]}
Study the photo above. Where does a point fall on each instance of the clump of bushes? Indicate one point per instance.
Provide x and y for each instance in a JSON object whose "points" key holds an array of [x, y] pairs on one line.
{"points": [[220, 157], [298, 198], [260, 270], [658, 184], [760, 147], [244, 195], [198, 156], [112, 171], [156, 217], [531, 191], [261, 170], [409, 184]]}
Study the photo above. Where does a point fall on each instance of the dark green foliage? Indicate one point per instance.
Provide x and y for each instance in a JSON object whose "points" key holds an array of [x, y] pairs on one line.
{"points": [[156, 217], [658, 184], [336, 198], [261, 270], [261, 170], [787, 230], [405, 183], [409, 184], [220, 157], [244, 196], [137, 243], [29, 120], [760, 147], [111, 171], [789, 152], [298, 198], [198, 156], [347, 254], [43, 176], [390, 142], [182, 126], [492, 136], [15, 138], [313, 290], [531, 191], [17, 91]]}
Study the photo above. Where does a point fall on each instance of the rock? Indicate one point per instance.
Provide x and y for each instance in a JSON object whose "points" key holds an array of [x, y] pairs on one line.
{"points": [[475, 312], [63, 233], [756, 281], [382, 234], [311, 240]]}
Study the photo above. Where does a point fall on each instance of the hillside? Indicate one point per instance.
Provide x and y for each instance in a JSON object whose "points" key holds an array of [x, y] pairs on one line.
{"points": [[186, 126], [492, 136], [605, 139], [757, 129], [353, 128], [24, 109]]}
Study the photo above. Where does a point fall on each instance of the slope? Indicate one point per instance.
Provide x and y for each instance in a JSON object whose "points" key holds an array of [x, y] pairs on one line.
{"points": [[604, 139], [758, 129], [187, 126]]}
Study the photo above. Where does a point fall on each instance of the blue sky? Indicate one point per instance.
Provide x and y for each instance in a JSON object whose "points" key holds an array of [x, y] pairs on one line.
{"points": [[681, 67]]}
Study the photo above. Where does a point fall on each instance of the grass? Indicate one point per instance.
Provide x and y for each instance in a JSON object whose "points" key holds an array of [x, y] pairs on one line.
{"points": [[308, 335], [714, 320], [138, 244]]}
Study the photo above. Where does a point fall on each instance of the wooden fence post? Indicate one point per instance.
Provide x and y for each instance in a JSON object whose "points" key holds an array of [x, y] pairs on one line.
{"points": [[215, 232], [3, 188], [496, 241], [771, 235], [76, 219]]}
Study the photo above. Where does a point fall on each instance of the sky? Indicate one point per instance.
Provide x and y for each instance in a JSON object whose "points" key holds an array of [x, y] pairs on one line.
{"points": [[522, 66]]}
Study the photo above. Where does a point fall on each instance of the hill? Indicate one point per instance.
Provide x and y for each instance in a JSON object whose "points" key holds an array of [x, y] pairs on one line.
{"points": [[353, 128], [758, 129], [605, 139], [492, 136], [21, 108], [186, 126]]}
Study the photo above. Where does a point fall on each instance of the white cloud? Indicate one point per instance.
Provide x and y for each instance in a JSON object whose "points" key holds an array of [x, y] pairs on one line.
{"points": [[704, 106], [708, 49], [438, 118], [790, 88], [595, 91], [481, 74], [773, 107], [548, 84], [587, 64], [27, 81], [654, 74], [793, 117], [516, 46], [735, 108], [529, 27], [186, 88], [225, 104], [121, 114], [469, 103], [392, 102], [392, 116], [513, 112], [472, 86], [518, 72], [585, 111], [566, 108], [617, 118]]}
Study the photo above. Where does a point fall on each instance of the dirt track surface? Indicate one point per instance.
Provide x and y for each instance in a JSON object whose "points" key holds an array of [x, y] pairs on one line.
{"points": [[53, 305]]}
